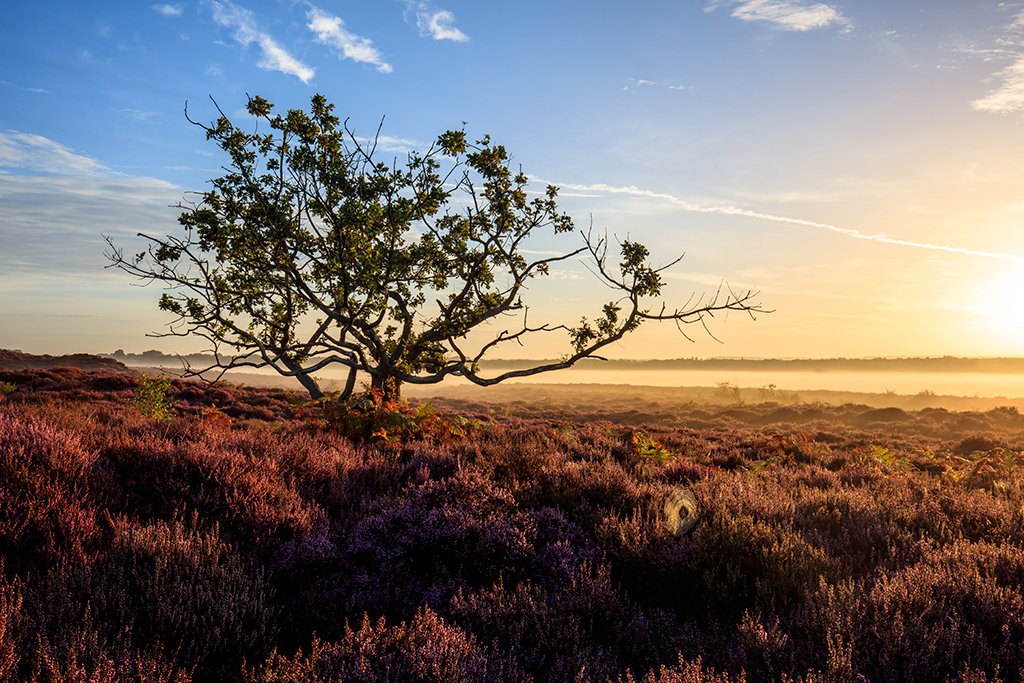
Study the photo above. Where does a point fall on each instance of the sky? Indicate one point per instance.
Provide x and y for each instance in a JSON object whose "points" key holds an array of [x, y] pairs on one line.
{"points": [[858, 163]]}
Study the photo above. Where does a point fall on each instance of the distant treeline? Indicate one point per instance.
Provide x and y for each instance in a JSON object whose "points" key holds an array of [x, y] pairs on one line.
{"points": [[943, 364]]}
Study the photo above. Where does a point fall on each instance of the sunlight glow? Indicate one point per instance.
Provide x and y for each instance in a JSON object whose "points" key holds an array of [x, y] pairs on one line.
{"points": [[1003, 306]]}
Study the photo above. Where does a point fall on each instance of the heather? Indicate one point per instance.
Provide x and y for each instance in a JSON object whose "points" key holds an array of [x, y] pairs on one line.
{"points": [[163, 530]]}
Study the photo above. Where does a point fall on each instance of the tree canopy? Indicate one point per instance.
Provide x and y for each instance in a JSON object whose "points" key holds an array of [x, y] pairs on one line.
{"points": [[311, 252]]}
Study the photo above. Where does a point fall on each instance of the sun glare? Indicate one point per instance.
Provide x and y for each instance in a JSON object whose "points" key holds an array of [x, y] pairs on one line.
{"points": [[1003, 305]]}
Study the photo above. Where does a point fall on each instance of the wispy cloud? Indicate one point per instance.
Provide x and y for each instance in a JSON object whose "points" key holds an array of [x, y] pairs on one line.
{"points": [[276, 58], [737, 211], [52, 200], [30, 152], [39, 90], [389, 143], [168, 10], [1009, 96], [644, 83], [439, 25], [247, 31], [435, 22], [789, 15], [52, 219], [330, 31], [140, 115]]}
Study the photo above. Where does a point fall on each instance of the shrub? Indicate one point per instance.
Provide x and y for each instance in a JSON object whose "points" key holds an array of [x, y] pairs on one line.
{"points": [[574, 623], [44, 515], [370, 417], [10, 618], [750, 564], [424, 650], [231, 478], [117, 381], [151, 398], [553, 634], [438, 538], [86, 657], [687, 672], [177, 590], [650, 449], [960, 606]]}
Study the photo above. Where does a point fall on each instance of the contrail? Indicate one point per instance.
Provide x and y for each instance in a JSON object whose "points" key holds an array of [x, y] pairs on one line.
{"points": [[736, 211]]}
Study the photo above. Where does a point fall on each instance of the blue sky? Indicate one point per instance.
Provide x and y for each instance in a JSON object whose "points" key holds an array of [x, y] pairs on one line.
{"points": [[859, 163]]}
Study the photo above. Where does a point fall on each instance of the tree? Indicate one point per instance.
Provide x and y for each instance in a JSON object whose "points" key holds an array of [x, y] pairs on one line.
{"points": [[310, 252]]}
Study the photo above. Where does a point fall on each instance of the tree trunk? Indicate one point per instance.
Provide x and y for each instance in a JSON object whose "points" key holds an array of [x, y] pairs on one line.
{"points": [[310, 385], [350, 385], [307, 382], [390, 388]]}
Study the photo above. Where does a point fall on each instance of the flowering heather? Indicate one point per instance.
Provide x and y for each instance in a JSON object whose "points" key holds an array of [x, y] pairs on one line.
{"points": [[242, 535]]}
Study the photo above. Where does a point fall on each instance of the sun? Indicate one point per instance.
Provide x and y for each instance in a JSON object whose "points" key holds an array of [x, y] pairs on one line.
{"points": [[1000, 303]]}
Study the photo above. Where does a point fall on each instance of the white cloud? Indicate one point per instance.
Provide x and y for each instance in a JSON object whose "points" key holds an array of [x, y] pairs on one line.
{"points": [[39, 90], [247, 31], [242, 20], [36, 153], [1008, 97], [641, 82], [561, 274], [789, 15], [276, 58], [439, 25], [168, 10], [387, 143], [330, 31], [435, 22]]}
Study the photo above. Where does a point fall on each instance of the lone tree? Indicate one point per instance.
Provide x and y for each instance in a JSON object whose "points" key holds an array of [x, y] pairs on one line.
{"points": [[309, 252]]}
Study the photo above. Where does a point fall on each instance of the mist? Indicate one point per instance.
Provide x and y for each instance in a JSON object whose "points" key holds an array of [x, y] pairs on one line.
{"points": [[912, 383]]}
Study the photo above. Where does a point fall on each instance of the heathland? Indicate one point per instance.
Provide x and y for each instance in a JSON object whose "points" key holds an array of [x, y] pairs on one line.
{"points": [[156, 529]]}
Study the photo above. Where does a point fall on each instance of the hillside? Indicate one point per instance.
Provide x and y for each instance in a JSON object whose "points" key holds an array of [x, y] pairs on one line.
{"points": [[18, 360]]}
